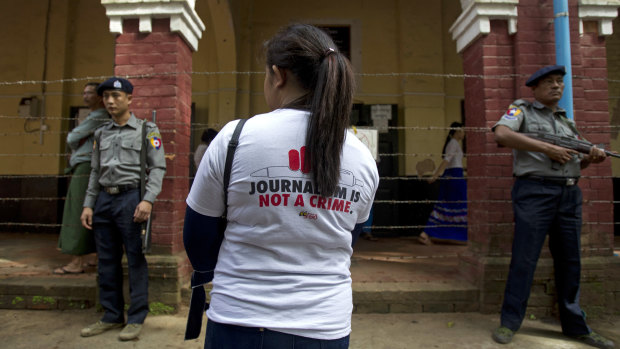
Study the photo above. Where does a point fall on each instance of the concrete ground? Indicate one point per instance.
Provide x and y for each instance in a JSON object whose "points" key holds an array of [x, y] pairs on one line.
{"points": [[61, 329], [386, 261], [397, 259]]}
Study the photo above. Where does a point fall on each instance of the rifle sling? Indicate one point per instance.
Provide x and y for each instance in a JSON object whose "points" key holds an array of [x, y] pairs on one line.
{"points": [[143, 162]]}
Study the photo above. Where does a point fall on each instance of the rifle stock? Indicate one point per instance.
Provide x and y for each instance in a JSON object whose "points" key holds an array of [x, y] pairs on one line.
{"points": [[569, 143]]}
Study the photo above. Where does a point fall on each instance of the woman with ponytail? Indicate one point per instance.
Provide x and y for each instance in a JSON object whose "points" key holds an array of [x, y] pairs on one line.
{"points": [[300, 189]]}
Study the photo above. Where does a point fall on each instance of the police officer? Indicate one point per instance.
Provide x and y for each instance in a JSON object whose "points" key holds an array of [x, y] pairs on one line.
{"points": [[114, 209], [546, 201]]}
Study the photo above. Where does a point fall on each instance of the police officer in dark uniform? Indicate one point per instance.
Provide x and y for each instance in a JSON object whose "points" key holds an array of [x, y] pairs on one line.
{"points": [[546, 201], [114, 209]]}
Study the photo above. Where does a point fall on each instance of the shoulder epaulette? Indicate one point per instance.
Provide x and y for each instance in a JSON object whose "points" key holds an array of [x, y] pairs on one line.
{"points": [[100, 128], [522, 103]]}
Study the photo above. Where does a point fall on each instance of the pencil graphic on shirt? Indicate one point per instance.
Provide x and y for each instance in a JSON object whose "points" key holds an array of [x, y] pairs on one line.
{"points": [[346, 177]]}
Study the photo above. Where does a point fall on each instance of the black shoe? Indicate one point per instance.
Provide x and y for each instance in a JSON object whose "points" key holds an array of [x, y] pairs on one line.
{"points": [[596, 340], [503, 335]]}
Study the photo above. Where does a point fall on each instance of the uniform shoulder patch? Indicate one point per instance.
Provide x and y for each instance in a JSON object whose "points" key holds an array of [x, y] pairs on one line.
{"points": [[155, 142], [512, 112], [154, 139], [153, 136]]}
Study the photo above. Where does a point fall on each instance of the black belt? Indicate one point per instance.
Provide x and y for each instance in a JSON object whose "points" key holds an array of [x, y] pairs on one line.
{"points": [[565, 181], [117, 189]]}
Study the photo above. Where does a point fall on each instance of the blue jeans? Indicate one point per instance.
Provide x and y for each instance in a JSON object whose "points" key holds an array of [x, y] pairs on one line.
{"points": [[223, 336], [114, 229], [541, 209]]}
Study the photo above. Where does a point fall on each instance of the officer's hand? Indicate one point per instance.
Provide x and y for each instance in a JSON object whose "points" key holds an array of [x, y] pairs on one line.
{"points": [[87, 218], [559, 154], [596, 155], [142, 212]]}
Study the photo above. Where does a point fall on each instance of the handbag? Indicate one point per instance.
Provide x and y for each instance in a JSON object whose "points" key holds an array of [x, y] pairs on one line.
{"points": [[198, 301]]}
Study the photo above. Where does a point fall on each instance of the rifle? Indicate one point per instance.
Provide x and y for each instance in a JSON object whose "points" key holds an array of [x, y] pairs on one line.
{"points": [[569, 143], [145, 232]]}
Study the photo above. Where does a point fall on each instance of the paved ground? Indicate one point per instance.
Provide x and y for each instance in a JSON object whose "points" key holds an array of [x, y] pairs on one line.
{"points": [[399, 259], [385, 261], [60, 329]]}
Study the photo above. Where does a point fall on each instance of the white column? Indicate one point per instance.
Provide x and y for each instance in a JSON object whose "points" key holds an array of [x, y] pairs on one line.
{"points": [[475, 20], [183, 17], [601, 11]]}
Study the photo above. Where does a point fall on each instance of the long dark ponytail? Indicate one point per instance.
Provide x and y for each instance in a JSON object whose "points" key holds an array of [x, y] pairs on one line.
{"points": [[311, 55]]}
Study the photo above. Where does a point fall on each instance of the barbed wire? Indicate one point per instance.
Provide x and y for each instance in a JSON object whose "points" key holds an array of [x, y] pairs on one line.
{"points": [[220, 73], [389, 202], [382, 227], [423, 178], [485, 129], [382, 178], [169, 127], [173, 155]]}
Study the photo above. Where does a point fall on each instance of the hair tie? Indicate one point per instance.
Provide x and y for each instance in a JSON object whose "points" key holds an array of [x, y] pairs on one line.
{"points": [[328, 52]]}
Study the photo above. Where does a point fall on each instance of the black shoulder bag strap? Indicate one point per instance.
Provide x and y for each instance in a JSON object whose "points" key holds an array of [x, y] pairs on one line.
{"points": [[198, 302], [232, 146]]}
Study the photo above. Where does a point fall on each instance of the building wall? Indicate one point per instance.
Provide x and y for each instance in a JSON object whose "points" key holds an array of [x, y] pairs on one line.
{"points": [[394, 36], [78, 45]]}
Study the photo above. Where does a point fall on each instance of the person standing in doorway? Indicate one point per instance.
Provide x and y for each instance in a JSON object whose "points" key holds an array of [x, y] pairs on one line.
{"points": [[74, 239]]}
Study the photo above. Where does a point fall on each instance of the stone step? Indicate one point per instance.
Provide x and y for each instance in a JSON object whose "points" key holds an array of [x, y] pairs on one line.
{"points": [[414, 297], [48, 292], [79, 292]]}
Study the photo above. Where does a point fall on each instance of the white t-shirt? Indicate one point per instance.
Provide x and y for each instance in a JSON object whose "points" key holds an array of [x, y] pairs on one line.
{"points": [[454, 154], [284, 262]]}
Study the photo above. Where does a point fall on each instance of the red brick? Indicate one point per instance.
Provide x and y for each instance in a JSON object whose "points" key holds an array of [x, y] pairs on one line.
{"points": [[146, 58], [127, 70]]}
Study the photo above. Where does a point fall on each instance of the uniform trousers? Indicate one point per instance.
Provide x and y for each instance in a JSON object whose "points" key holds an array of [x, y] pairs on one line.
{"points": [[224, 336], [542, 209], [114, 228]]}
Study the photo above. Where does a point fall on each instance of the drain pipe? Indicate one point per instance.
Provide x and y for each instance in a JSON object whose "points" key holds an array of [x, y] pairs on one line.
{"points": [[562, 52]]}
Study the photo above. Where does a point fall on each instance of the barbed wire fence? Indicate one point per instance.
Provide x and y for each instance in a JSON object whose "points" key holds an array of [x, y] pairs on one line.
{"points": [[169, 127]]}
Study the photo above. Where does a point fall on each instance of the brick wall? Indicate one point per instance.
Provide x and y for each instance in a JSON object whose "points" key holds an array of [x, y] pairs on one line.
{"points": [[165, 53], [170, 95]]}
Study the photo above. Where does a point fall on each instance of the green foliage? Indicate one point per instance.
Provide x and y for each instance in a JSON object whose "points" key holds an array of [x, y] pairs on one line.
{"points": [[158, 308], [42, 299]]}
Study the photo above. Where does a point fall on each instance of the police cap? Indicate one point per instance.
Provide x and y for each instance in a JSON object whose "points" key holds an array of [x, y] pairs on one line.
{"points": [[115, 83], [542, 72]]}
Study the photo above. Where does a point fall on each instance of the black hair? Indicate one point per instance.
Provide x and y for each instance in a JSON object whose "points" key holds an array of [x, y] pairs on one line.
{"points": [[208, 135], [326, 74], [94, 84], [453, 128]]}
